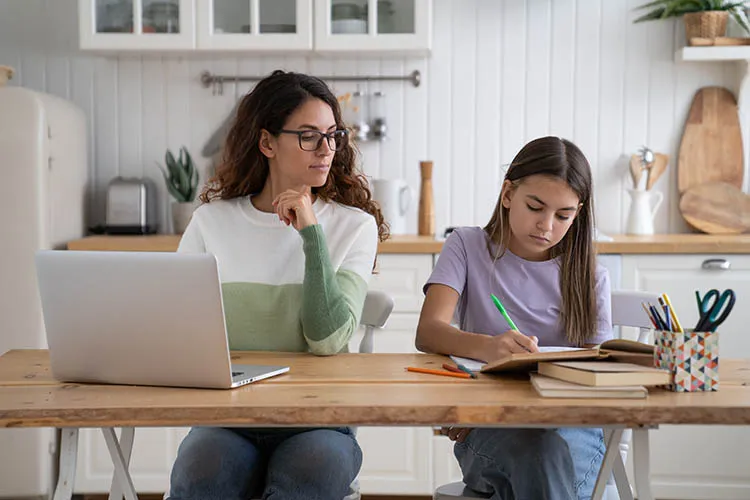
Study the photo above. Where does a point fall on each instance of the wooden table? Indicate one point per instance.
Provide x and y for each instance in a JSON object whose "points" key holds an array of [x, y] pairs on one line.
{"points": [[348, 389]]}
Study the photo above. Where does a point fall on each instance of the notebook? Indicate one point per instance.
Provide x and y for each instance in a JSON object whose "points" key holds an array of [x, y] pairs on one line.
{"points": [[616, 349], [553, 388], [604, 373]]}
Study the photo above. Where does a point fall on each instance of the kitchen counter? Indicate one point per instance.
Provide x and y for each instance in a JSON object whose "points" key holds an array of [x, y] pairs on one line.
{"points": [[413, 244]]}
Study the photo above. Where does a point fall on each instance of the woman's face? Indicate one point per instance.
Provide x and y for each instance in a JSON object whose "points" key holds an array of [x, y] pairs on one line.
{"points": [[302, 160], [541, 209]]}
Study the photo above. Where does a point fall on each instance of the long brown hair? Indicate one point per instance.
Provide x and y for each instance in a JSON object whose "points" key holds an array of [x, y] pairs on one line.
{"points": [[562, 159], [243, 168]]}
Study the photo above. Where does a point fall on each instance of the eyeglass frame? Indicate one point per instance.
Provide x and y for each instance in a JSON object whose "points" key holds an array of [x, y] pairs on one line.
{"points": [[329, 136]]}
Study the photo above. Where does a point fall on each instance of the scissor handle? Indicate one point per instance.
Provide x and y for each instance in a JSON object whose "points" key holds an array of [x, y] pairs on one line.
{"points": [[719, 310]]}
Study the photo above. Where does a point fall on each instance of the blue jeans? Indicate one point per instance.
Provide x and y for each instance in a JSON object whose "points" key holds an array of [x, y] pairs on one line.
{"points": [[532, 464], [284, 464]]}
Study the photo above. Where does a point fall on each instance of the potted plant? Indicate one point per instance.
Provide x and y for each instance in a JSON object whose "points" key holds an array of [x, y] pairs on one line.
{"points": [[703, 18], [181, 178]]}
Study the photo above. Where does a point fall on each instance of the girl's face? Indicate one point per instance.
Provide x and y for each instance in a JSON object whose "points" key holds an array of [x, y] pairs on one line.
{"points": [[541, 209], [302, 160]]}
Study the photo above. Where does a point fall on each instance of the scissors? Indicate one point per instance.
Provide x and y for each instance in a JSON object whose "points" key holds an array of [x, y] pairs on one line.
{"points": [[713, 309]]}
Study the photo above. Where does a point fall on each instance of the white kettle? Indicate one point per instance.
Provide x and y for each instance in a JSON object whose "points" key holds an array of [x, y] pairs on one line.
{"points": [[394, 197]]}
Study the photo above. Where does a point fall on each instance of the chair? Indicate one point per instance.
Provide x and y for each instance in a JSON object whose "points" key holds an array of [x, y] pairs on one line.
{"points": [[375, 313], [626, 311]]}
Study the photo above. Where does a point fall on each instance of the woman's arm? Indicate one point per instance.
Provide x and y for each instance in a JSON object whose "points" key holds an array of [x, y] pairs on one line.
{"points": [[435, 333], [332, 301]]}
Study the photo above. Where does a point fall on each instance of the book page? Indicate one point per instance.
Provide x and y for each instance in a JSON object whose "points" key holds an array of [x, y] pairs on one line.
{"points": [[471, 364], [554, 348]]}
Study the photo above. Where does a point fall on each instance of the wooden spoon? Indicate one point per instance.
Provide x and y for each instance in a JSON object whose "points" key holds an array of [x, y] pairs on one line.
{"points": [[657, 169], [636, 170], [716, 208]]}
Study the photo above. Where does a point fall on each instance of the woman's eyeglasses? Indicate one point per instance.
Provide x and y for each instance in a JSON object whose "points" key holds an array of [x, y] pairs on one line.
{"points": [[311, 140]]}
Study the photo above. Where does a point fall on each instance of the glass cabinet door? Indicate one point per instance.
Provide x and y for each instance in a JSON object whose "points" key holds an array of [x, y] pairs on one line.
{"points": [[136, 24], [373, 25], [255, 24]]}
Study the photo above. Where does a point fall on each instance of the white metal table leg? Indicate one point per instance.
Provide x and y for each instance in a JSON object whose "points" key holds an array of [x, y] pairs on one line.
{"points": [[641, 464], [612, 442], [621, 480], [121, 469], [126, 444], [68, 458]]}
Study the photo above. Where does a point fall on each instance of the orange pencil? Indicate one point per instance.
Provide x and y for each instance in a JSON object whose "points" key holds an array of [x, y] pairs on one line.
{"points": [[437, 372]]}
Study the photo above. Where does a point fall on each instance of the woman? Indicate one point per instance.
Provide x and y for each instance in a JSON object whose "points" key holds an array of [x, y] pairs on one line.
{"points": [[295, 232]]}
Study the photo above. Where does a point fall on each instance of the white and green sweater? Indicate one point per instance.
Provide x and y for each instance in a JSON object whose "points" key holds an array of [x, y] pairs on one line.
{"points": [[286, 290]]}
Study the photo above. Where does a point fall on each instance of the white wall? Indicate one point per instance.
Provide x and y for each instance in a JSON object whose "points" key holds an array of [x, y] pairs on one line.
{"points": [[501, 73]]}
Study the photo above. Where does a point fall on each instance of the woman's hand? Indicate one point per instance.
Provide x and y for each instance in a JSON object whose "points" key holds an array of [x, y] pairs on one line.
{"points": [[509, 342], [295, 208], [457, 434]]}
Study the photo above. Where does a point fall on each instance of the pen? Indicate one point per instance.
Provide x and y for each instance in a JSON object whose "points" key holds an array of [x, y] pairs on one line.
{"points": [[675, 321], [500, 308], [459, 368], [650, 316], [437, 372], [667, 315]]}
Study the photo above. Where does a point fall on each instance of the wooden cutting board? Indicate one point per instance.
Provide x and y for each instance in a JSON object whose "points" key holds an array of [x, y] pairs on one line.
{"points": [[716, 208], [711, 147]]}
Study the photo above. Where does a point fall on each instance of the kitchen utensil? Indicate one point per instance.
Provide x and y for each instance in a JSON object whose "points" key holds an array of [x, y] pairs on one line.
{"points": [[658, 167], [394, 197], [711, 147], [131, 206], [647, 156], [716, 208], [636, 170], [643, 207], [426, 225]]}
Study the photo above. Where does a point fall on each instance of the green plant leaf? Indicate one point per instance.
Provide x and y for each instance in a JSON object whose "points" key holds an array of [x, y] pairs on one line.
{"points": [[656, 14], [652, 4]]}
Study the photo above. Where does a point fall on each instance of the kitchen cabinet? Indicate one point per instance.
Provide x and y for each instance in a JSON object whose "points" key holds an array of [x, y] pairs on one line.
{"points": [[698, 462], [295, 26], [373, 26], [120, 25], [262, 25]]}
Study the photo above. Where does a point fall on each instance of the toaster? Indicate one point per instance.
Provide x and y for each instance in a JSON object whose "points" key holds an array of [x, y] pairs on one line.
{"points": [[131, 206]]}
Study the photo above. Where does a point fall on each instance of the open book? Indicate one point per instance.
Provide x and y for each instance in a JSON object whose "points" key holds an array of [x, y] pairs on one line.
{"points": [[615, 349]]}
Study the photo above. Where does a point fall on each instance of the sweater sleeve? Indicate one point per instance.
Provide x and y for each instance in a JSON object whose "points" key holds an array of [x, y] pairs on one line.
{"points": [[192, 239], [332, 300]]}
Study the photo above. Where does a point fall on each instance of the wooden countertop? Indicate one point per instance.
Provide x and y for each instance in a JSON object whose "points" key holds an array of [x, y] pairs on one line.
{"points": [[348, 389], [413, 244]]}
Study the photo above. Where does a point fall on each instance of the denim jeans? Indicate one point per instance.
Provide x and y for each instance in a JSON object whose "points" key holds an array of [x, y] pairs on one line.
{"points": [[284, 464], [532, 464]]}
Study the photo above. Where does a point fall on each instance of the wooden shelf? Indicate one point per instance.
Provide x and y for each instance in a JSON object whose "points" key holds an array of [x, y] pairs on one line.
{"points": [[714, 54]]}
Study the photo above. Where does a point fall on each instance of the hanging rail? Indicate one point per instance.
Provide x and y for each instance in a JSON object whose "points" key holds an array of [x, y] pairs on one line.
{"points": [[216, 82]]}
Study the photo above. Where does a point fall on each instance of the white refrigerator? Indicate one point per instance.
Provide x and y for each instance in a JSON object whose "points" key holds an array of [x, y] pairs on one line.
{"points": [[43, 176]]}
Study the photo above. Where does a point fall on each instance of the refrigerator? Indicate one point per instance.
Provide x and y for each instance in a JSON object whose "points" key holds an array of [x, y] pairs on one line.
{"points": [[43, 177]]}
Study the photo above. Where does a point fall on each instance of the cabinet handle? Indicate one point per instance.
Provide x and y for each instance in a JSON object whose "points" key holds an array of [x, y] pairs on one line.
{"points": [[716, 264]]}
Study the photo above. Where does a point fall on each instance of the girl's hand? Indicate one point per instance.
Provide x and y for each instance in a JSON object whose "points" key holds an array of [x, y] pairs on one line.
{"points": [[295, 208], [509, 342], [457, 434]]}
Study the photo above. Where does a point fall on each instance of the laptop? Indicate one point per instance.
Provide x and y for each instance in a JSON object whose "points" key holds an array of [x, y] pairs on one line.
{"points": [[143, 318]]}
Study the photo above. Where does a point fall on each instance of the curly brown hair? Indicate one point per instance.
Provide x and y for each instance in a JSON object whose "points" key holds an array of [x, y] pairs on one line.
{"points": [[243, 168]]}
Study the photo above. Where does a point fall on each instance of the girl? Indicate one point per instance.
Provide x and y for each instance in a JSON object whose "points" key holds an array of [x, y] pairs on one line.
{"points": [[295, 231], [536, 254]]}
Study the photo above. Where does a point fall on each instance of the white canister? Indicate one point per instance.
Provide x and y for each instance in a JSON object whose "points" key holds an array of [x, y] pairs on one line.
{"points": [[643, 207]]}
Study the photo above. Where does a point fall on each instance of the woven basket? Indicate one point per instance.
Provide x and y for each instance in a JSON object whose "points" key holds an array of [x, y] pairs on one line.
{"points": [[708, 24]]}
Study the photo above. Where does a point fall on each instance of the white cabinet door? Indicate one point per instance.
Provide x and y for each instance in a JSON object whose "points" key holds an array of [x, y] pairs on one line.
{"points": [[375, 26], [121, 25], [403, 276], [258, 25], [698, 462], [154, 452]]}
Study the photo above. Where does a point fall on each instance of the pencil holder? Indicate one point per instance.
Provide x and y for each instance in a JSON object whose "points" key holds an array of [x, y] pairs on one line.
{"points": [[692, 359]]}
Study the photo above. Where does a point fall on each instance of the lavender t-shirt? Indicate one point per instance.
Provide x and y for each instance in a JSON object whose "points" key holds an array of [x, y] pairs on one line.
{"points": [[530, 291]]}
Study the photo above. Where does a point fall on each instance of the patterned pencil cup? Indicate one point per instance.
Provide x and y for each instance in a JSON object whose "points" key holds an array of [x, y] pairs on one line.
{"points": [[692, 359]]}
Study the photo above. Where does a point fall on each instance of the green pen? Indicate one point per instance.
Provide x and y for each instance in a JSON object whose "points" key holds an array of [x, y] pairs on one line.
{"points": [[500, 308]]}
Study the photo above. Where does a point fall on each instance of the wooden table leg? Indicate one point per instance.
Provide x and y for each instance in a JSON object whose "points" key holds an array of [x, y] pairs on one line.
{"points": [[68, 458]]}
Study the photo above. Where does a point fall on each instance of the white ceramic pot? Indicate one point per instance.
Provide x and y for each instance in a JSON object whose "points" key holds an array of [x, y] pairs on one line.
{"points": [[181, 214], [643, 207]]}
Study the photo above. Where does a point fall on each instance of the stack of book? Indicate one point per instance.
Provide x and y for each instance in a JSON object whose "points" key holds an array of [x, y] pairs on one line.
{"points": [[596, 379]]}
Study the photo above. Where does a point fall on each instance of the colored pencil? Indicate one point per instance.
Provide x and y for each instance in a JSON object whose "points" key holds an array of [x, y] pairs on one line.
{"points": [[432, 371]]}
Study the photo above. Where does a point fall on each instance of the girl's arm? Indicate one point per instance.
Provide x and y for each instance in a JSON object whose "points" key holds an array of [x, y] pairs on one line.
{"points": [[332, 300], [435, 334]]}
